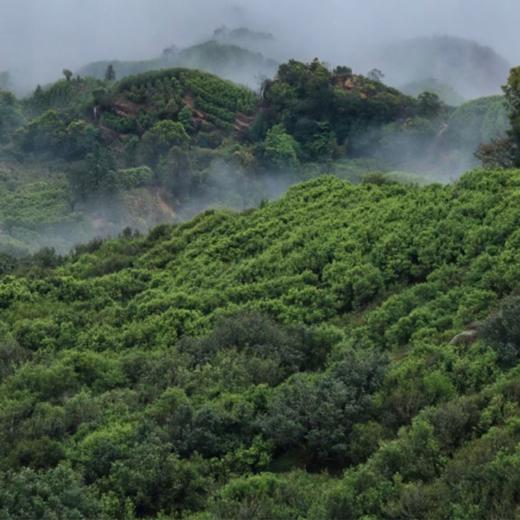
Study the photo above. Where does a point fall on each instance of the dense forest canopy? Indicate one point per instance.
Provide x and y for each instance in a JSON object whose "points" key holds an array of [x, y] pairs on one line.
{"points": [[293, 361]]}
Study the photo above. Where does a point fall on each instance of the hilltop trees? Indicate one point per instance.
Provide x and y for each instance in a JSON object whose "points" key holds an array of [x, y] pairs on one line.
{"points": [[375, 75], [323, 109]]}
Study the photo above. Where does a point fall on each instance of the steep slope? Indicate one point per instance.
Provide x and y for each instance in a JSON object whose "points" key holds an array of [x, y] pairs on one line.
{"points": [[238, 364], [482, 120], [479, 121]]}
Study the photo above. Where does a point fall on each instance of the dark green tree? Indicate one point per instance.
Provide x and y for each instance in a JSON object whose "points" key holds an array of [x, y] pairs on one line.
{"points": [[110, 73], [512, 92], [429, 105], [375, 75]]}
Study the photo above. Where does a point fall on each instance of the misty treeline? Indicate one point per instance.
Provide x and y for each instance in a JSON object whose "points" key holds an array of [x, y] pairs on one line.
{"points": [[87, 157]]}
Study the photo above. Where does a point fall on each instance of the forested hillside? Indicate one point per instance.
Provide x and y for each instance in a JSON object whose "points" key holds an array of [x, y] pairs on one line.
{"points": [[302, 360], [101, 148], [241, 282], [85, 157]]}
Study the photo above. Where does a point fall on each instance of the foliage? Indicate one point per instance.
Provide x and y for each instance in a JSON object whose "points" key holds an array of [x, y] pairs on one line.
{"points": [[10, 115], [280, 149], [321, 109], [295, 360], [161, 137], [502, 332], [135, 177]]}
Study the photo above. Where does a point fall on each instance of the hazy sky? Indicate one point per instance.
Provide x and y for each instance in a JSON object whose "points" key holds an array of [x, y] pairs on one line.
{"points": [[43, 36]]}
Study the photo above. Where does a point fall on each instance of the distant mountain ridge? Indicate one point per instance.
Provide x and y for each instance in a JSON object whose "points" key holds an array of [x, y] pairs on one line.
{"points": [[470, 68], [228, 60]]}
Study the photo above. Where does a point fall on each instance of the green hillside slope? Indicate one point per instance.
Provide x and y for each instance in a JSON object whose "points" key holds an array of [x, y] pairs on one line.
{"points": [[295, 361]]}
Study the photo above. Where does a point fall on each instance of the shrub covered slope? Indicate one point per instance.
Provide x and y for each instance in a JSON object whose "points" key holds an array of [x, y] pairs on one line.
{"points": [[295, 361]]}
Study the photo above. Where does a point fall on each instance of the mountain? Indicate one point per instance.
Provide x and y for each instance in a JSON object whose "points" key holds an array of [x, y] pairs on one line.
{"points": [[227, 60], [447, 94], [242, 36], [257, 41], [471, 69], [347, 351], [72, 164]]}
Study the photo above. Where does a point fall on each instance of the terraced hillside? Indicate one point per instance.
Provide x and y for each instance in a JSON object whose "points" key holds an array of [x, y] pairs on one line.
{"points": [[159, 94]]}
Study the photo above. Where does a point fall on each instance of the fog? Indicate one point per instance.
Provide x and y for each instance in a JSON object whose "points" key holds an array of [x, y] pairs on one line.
{"points": [[38, 38]]}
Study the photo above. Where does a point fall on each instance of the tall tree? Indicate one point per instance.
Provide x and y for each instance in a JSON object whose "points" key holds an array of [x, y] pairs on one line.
{"points": [[376, 75], [110, 73], [512, 92]]}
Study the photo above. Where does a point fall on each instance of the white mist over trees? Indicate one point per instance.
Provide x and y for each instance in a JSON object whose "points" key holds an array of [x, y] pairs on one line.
{"points": [[38, 39]]}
